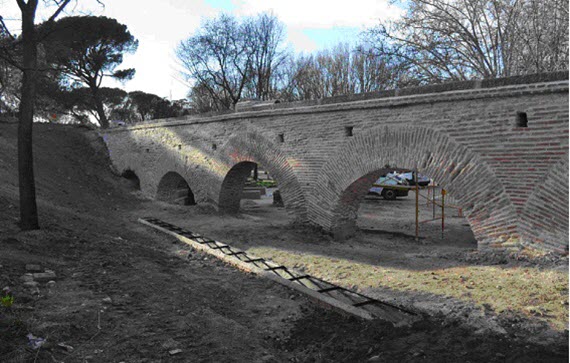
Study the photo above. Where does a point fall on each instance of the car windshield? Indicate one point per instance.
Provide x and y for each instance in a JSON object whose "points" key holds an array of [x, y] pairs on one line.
{"points": [[390, 179]]}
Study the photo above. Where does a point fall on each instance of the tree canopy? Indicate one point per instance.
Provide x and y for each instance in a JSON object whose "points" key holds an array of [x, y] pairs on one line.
{"points": [[88, 48], [149, 106]]}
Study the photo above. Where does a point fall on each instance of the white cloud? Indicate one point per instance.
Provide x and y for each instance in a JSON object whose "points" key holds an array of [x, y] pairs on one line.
{"points": [[300, 41], [322, 13]]}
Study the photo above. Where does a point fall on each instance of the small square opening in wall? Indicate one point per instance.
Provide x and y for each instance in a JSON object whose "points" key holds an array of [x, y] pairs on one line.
{"points": [[179, 147], [147, 150], [522, 119], [214, 146], [348, 130], [281, 137]]}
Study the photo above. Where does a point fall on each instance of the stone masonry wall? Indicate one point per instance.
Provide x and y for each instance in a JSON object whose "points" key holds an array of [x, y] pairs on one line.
{"points": [[511, 181]]}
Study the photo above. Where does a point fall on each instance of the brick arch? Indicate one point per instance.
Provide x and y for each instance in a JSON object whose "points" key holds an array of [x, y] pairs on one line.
{"points": [[175, 163], [245, 148], [146, 183], [544, 219], [232, 186], [132, 177], [174, 189], [346, 177]]}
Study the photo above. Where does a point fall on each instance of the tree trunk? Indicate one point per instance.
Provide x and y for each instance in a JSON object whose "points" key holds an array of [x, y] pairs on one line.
{"points": [[28, 207], [99, 107]]}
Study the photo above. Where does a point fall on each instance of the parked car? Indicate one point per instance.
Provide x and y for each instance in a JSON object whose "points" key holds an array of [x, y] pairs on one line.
{"points": [[409, 176], [390, 186]]}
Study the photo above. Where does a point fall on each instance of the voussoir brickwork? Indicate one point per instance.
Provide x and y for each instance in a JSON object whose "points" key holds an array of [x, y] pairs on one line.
{"points": [[500, 148]]}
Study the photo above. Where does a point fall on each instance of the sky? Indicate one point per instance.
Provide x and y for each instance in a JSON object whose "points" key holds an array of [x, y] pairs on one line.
{"points": [[160, 26]]}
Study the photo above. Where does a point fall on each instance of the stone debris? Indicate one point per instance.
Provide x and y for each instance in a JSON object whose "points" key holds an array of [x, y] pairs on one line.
{"points": [[44, 276], [31, 283], [107, 300], [33, 268], [170, 344], [27, 277], [175, 351], [69, 348]]}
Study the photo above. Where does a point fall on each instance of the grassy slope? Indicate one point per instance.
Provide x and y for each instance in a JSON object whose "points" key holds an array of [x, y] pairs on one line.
{"points": [[531, 291]]}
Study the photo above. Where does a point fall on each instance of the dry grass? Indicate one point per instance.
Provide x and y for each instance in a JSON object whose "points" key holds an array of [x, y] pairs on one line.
{"points": [[533, 292]]}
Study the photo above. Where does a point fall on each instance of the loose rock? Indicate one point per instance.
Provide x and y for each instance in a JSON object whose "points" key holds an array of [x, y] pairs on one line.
{"points": [[27, 277], [33, 268], [44, 276], [69, 348], [30, 284]]}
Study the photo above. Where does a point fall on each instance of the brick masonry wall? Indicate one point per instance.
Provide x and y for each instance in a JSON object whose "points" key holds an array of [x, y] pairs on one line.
{"points": [[511, 181]]}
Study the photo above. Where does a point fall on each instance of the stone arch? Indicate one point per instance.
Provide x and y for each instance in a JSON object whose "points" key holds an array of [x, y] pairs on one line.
{"points": [[132, 178], [546, 210], [232, 186], [240, 152], [174, 161], [146, 179], [345, 178], [174, 189]]}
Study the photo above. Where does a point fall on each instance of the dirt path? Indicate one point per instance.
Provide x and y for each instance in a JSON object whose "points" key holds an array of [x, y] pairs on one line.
{"points": [[125, 293]]}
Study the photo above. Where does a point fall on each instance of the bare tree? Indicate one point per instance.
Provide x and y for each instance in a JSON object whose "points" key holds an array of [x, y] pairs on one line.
{"points": [[10, 73], [305, 80], [231, 58], [373, 71], [265, 34], [335, 70], [339, 71], [202, 100], [219, 57], [541, 42], [10, 78], [443, 40]]}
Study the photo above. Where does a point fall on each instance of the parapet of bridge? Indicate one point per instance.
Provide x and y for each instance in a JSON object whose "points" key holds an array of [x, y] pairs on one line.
{"points": [[499, 147]]}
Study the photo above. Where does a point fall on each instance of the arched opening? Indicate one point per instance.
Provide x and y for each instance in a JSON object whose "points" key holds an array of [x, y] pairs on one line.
{"points": [[173, 189], [253, 147], [132, 179], [489, 211], [249, 184], [387, 202]]}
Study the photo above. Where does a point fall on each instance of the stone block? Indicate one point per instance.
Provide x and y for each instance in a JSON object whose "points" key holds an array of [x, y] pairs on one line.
{"points": [[44, 276], [33, 268]]}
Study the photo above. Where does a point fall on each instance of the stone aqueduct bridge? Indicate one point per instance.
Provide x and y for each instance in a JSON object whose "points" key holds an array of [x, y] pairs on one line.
{"points": [[511, 180]]}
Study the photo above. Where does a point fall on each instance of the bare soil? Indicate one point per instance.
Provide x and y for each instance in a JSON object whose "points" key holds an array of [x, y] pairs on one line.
{"points": [[124, 293]]}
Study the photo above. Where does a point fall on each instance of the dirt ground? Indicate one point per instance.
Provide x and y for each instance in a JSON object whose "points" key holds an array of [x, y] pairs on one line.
{"points": [[123, 293]]}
